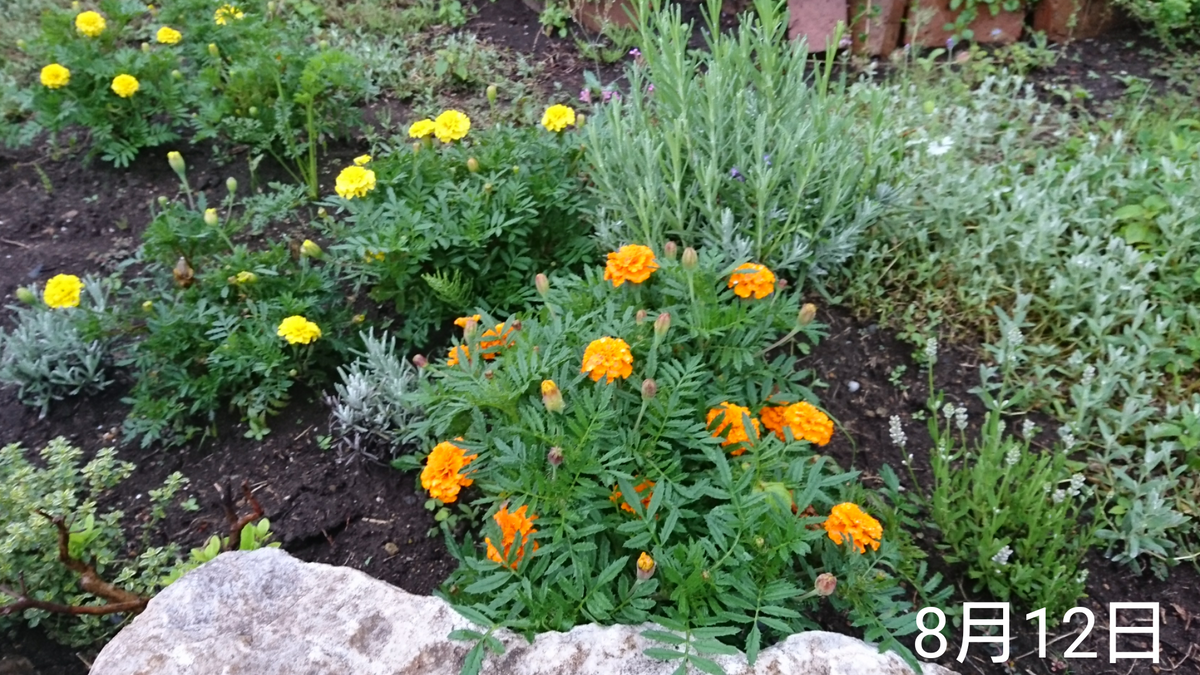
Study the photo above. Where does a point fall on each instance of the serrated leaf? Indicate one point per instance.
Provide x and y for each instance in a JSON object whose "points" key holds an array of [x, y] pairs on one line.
{"points": [[662, 654], [663, 636], [489, 583], [707, 665], [465, 634]]}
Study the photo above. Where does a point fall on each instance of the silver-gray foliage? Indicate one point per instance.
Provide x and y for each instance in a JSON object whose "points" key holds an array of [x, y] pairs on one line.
{"points": [[372, 409]]}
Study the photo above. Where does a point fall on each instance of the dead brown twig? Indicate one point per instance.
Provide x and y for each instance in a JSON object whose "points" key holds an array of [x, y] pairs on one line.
{"points": [[119, 600], [236, 524]]}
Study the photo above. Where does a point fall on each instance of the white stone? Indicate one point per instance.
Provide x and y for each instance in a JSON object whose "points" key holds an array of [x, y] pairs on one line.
{"points": [[266, 613]]}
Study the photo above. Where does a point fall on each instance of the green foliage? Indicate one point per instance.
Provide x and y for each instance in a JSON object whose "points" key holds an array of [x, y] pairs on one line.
{"points": [[450, 238], [206, 327], [54, 353], [740, 145], [735, 564], [59, 486], [1175, 22], [373, 405], [254, 537]]}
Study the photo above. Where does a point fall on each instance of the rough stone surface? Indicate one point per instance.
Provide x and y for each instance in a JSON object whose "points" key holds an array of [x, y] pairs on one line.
{"points": [[816, 20], [266, 613], [877, 25], [1004, 28], [1092, 17]]}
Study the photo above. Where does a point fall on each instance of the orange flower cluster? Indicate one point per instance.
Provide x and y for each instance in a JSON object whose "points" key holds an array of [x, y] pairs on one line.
{"points": [[646, 486], [633, 263], [511, 524], [461, 321], [752, 279], [732, 427], [806, 422], [441, 475], [489, 347], [607, 358], [848, 520], [452, 360]]}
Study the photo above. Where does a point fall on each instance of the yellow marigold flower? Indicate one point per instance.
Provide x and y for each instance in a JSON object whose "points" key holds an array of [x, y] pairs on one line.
{"points": [[362, 160], [245, 277], [646, 486], [489, 347], [298, 330], [451, 126], [168, 36], [558, 117], [55, 76], [732, 427], [374, 256], [442, 475], [607, 358], [355, 181], [645, 566], [421, 129], [849, 520], [752, 278], [62, 291], [452, 360], [633, 263], [125, 85], [461, 321], [90, 24], [226, 12], [510, 525]]}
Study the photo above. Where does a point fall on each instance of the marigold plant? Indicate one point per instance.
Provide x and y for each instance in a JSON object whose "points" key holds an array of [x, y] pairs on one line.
{"points": [[455, 352], [354, 181], [125, 86], [607, 358], [422, 129], [451, 125], [55, 76], [500, 338], [558, 117], [646, 486], [806, 422], [298, 330], [733, 426], [511, 524], [168, 36], [91, 24], [443, 476], [752, 279], [633, 263], [225, 13], [848, 520], [62, 291]]}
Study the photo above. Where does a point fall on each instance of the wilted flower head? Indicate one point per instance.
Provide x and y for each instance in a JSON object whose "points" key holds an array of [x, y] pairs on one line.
{"points": [[555, 456], [551, 396], [826, 584]]}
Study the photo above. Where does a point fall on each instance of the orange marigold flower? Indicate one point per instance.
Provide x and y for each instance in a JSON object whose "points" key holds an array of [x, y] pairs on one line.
{"points": [[455, 351], [848, 520], [752, 278], [489, 347], [732, 427], [461, 321], [646, 486], [441, 475], [633, 263], [510, 524], [805, 420], [607, 358]]}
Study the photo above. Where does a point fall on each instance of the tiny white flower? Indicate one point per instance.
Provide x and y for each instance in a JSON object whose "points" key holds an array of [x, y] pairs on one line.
{"points": [[1027, 428], [1089, 374], [960, 413], [1002, 556], [939, 148], [897, 431], [931, 349], [1012, 456], [1059, 496], [948, 411]]}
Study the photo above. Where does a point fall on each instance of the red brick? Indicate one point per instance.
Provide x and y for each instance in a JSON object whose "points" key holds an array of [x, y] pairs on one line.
{"points": [[1004, 28], [593, 14], [877, 25], [815, 20], [1092, 18]]}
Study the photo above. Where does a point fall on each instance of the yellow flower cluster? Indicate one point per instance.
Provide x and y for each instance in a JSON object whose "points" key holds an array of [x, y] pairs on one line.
{"points": [[607, 358], [90, 24], [125, 85], [355, 181], [421, 129], [226, 12], [442, 473], [298, 330], [849, 521], [63, 291], [168, 36], [558, 117], [362, 160], [55, 76]]}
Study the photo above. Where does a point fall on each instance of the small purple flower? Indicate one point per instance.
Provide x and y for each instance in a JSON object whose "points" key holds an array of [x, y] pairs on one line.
{"points": [[950, 42], [585, 95], [650, 89], [996, 33], [844, 43], [734, 173], [610, 94], [767, 159], [635, 52]]}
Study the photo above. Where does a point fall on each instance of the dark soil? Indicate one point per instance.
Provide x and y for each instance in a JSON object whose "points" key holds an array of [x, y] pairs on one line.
{"points": [[372, 518]]}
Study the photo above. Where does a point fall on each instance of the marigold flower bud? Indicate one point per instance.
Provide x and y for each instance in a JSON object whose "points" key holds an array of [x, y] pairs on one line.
{"points": [[542, 283], [760, 542], [470, 327], [358, 318], [551, 396], [26, 296], [472, 165], [807, 313], [177, 164], [662, 324], [826, 584], [231, 184], [323, 44], [176, 75], [417, 146], [640, 317], [491, 94], [310, 250], [146, 47], [20, 44], [270, 8], [210, 217], [487, 188], [293, 372], [213, 51], [649, 389], [516, 169], [184, 274], [488, 374], [253, 111], [580, 120], [147, 306], [322, 213], [162, 201], [670, 250], [645, 566], [706, 575], [555, 457], [690, 259], [745, 466], [420, 361]]}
